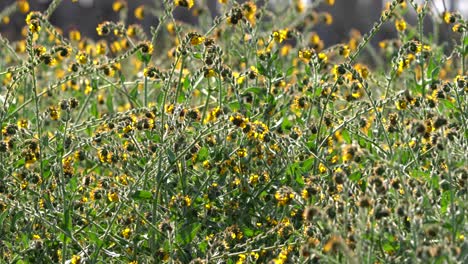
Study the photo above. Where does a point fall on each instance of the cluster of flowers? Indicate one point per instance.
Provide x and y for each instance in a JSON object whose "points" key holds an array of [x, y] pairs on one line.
{"points": [[244, 140]]}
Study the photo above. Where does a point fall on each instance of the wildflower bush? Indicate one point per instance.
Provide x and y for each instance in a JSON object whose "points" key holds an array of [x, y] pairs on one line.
{"points": [[241, 138]]}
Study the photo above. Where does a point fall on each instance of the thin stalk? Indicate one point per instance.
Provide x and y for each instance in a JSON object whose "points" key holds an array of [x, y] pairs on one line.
{"points": [[163, 113], [155, 205], [52, 7], [372, 32], [462, 109], [463, 53], [84, 106], [178, 85], [29, 47], [66, 214], [6, 43], [38, 120], [378, 116], [309, 113], [322, 116], [145, 102], [207, 100], [421, 61], [165, 90], [220, 92]]}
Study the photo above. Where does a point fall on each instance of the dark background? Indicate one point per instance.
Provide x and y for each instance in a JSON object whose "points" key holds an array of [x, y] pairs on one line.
{"points": [[347, 14]]}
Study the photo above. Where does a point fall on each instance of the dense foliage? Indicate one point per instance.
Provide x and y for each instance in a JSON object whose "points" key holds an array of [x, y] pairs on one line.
{"points": [[241, 139]]}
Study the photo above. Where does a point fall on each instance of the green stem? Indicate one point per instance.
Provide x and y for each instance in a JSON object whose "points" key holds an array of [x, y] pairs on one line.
{"points": [[66, 213], [372, 32], [51, 8], [207, 101], [421, 59], [463, 52], [314, 66], [6, 43], [38, 121], [84, 106], [178, 85], [220, 95], [146, 89], [165, 90]]}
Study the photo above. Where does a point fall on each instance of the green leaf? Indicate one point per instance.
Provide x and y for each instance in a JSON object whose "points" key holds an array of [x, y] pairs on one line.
{"points": [[160, 98], [186, 83], [95, 238], [94, 84], [346, 136], [143, 57], [45, 162], [435, 73], [363, 185], [197, 55], [3, 215], [307, 164], [255, 90], [292, 169], [435, 182], [420, 174], [388, 247], [404, 157], [170, 155], [187, 233], [445, 201], [20, 163], [290, 71], [181, 98], [355, 176], [25, 240], [311, 144], [234, 106], [286, 125], [45, 141], [300, 179], [202, 246], [134, 92], [15, 218], [203, 154], [362, 143], [295, 171], [110, 104], [46, 174], [154, 137], [447, 104], [261, 69], [142, 195], [274, 56], [72, 184], [94, 109], [67, 220], [63, 238], [307, 70], [248, 232], [318, 91]]}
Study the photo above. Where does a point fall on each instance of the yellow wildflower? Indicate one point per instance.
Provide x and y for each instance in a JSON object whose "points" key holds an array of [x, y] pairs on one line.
{"points": [[139, 12], [23, 6], [118, 5], [400, 25], [184, 3]]}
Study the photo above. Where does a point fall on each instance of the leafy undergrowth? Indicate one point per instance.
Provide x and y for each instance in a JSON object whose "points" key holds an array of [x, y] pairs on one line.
{"points": [[240, 139]]}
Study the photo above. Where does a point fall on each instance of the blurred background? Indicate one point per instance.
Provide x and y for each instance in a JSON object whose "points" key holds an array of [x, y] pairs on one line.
{"points": [[347, 15]]}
